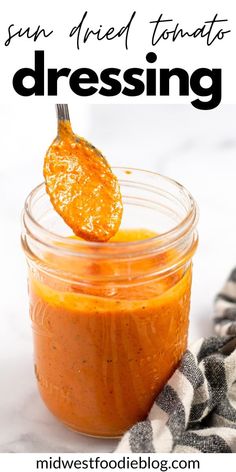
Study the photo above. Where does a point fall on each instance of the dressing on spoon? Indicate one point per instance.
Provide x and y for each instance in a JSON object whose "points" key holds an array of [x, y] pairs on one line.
{"points": [[81, 185]]}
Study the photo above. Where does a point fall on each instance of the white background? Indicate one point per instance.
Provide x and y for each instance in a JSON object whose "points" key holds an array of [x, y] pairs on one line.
{"points": [[196, 148], [61, 51], [27, 462]]}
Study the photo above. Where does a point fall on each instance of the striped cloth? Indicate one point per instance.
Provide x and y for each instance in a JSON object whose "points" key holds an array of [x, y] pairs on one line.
{"points": [[196, 410]]}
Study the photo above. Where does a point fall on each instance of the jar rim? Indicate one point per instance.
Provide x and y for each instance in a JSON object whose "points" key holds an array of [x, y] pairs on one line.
{"points": [[162, 240]]}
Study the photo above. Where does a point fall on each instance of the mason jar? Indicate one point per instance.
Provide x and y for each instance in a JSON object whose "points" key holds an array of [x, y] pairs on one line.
{"points": [[110, 320]]}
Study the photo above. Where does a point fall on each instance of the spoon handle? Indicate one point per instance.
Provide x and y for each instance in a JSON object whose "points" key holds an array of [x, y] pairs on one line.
{"points": [[63, 121], [62, 112]]}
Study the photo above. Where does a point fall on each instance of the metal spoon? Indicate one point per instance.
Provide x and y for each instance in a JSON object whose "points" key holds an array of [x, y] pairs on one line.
{"points": [[81, 184]]}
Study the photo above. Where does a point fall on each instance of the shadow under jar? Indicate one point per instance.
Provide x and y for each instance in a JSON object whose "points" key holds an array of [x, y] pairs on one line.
{"points": [[110, 320]]}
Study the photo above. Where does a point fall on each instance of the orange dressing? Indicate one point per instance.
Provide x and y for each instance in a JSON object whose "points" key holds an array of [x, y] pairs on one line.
{"points": [[103, 353], [82, 187]]}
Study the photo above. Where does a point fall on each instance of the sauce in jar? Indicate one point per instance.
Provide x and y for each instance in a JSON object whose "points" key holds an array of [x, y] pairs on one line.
{"points": [[101, 361], [110, 320]]}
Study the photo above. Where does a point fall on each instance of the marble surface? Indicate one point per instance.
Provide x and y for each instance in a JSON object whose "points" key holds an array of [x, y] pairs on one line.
{"points": [[196, 148]]}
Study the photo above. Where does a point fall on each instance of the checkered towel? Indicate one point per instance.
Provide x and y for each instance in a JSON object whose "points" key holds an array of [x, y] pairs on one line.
{"points": [[196, 410]]}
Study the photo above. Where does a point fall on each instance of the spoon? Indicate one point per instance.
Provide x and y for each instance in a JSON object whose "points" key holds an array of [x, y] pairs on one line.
{"points": [[81, 185]]}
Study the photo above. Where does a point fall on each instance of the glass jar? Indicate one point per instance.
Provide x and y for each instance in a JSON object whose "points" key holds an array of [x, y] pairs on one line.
{"points": [[110, 320]]}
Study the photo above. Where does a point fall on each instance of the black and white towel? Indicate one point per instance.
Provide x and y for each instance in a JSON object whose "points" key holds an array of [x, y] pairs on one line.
{"points": [[196, 410]]}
